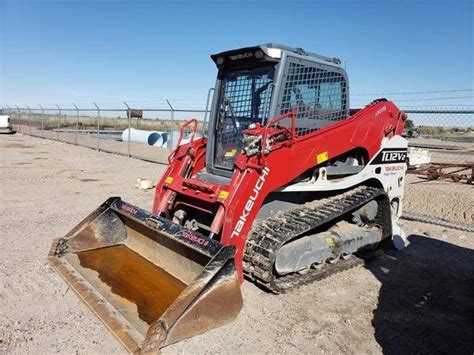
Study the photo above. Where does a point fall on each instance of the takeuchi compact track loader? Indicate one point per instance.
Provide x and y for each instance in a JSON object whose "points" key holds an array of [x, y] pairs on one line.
{"points": [[286, 186]]}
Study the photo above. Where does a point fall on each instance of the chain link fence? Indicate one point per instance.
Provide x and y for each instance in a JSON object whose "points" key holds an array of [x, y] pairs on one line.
{"points": [[441, 191], [105, 129], [441, 187]]}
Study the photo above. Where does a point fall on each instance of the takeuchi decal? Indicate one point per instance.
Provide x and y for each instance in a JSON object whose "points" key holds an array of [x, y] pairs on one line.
{"points": [[194, 238], [394, 168], [128, 209], [241, 56], [250, 203]]}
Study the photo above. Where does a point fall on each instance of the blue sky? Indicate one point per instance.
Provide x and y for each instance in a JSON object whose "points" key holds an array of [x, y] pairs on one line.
{"points": [[147, 51]]}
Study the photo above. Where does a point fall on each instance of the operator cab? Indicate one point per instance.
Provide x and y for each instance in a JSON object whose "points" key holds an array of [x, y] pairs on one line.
{"points": [[262, 82]]}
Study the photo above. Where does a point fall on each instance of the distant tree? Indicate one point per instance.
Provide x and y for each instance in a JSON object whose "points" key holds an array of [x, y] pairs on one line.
{"points": [[410, 130], [409, 125]]}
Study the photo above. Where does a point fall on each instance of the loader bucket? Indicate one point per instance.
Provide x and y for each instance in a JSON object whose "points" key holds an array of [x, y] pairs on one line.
{"points": [[150, 281]]}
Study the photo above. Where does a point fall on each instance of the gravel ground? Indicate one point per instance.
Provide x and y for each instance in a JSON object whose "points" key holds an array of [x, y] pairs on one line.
{"points": [[416, 301], [443, 198]]}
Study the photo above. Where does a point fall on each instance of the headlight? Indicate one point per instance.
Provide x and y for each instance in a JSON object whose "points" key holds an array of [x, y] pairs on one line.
{"points": [[259, 54]]}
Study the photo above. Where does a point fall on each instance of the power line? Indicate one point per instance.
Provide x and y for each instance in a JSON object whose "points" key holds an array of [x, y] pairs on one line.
{"points": [[415, 92], [430, 98]]}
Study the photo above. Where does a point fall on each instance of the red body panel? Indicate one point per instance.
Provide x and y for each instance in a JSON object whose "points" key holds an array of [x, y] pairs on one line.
{"points": [[236, 205]]}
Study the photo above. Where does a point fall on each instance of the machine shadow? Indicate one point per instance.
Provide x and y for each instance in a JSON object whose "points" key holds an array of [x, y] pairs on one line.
{"points": [[426, 301]]}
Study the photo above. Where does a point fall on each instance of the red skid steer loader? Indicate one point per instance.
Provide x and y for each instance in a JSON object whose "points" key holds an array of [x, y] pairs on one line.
{"points": [[286, 186]]}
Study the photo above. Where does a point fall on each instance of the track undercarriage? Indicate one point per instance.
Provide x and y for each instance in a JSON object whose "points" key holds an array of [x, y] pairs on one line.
{"points": [[268, 236]]}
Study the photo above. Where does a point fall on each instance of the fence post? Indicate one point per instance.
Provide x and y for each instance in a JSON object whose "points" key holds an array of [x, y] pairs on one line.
{"points": [[98, 126], [9, 109], [129, 128], [77, 123], [29, 118], [42, 121], [19, 117], [59, 121], [172, 123]]}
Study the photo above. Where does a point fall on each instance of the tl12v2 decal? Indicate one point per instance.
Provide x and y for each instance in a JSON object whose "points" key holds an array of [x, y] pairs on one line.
{"points": [[391, 156]]}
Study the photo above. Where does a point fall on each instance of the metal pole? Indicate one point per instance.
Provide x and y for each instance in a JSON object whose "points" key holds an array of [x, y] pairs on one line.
{"points": [[77, 122], [98, 126], [29, 114], [172, 122], [19, 117], [42, 121], [129, 128], [59, 120]]}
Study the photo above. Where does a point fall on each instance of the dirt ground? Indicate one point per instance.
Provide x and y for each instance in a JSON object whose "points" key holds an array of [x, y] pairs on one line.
{"points": [[417, 301]]}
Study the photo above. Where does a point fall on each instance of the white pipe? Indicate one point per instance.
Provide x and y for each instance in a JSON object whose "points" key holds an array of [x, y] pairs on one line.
{"points": [[154, 138]]}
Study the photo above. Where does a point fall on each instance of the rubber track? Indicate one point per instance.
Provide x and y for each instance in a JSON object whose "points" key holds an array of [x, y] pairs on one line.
{"points": [[267, 236]]}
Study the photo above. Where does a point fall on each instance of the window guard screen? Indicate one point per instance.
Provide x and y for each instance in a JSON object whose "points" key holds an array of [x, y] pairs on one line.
{"points": [[316, 95]]}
